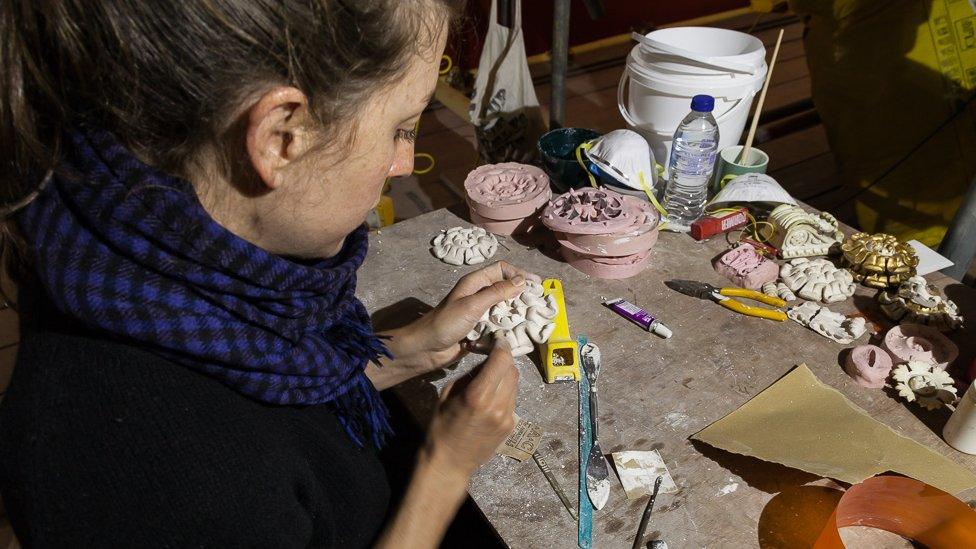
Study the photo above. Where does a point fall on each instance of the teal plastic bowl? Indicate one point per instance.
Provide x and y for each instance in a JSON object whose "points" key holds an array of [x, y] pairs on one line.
{"points": [[558, 151]]}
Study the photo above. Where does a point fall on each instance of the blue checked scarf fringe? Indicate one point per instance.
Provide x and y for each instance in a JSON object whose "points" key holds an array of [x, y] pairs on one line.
{"points": [[129, 250]]}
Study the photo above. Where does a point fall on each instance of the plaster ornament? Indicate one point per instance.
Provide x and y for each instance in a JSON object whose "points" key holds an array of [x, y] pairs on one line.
{"points": [[919, 302], [798, 233], [879, 260], [922, 382], [818, 280], [746, 267], [524, 321], [827, 323], [869, 365], [464, 246], [915, 342], [780, 290]]}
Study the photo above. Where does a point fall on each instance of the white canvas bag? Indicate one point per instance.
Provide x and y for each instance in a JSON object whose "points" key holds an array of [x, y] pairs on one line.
{"points": [[504, 108]]}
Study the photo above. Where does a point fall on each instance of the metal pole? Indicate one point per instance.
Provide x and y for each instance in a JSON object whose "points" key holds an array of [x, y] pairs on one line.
{"points": [[504, 12], [560, 58], [959, 244]]}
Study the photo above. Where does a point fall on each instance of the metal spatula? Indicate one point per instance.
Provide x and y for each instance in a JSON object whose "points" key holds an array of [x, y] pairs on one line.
{"points": [[597, 471]]}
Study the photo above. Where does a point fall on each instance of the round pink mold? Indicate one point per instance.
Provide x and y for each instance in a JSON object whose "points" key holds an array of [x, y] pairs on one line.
{"points": [[506, 191], [505, 227], [909, 342], [607, 267], [869, 365], [596, 211]]}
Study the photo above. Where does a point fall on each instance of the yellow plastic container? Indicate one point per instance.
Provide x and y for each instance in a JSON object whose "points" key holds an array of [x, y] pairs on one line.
{"points": [[559, 355]]}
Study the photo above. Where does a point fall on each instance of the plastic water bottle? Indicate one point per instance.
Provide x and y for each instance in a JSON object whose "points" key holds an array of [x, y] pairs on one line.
{"points": [[691, 164]]}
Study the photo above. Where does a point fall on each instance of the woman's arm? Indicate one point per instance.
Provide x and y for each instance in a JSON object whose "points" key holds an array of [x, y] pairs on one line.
{"points": [[435, 339], [472, 420]]}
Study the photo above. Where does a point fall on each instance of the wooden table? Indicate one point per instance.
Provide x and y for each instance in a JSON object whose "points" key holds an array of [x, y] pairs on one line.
{"points": [[654, 393]]}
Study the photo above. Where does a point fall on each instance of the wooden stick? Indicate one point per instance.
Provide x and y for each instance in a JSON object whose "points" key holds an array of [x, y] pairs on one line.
{"points": [[762, 98]]}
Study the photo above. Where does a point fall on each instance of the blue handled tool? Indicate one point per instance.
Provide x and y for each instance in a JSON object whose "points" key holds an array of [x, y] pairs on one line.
{"points": [[585, 528]]}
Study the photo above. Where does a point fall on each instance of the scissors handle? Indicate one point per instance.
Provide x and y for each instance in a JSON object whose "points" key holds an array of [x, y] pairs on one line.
{"points": [[748, 310], [772, 301]]}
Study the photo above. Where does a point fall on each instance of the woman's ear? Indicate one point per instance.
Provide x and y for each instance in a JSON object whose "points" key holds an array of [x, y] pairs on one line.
{"points": [[276, 133]]}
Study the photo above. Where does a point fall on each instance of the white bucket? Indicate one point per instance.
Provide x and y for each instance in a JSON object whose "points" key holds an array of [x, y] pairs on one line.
{"points": [[670, 66]]}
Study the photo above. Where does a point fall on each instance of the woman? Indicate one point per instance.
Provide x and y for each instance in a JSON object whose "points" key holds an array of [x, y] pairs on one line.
{"points": [[189, 180]]}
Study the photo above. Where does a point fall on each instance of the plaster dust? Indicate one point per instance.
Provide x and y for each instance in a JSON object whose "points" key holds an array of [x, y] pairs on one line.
{"points": [[716, 361]]}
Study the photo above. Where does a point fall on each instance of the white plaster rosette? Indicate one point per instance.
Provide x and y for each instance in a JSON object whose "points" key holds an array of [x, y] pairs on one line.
{"points": [[818, 280], [524, 321], [919, 302], [923, 382], [827, 323], [464, 246]]}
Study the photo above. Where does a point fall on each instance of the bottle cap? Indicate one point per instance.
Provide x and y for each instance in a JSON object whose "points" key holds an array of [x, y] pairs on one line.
{"points": [[702, 103], [661, 330]]}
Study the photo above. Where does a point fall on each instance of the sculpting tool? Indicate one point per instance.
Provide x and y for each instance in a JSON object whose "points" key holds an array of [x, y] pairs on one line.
{"points": [[597, 470], [554, 482], [762, 99], [646, 517], [558, 355], [585, 522]]}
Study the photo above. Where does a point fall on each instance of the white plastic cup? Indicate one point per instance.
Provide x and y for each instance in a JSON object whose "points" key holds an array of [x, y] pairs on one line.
{"points": [[960, 431]]}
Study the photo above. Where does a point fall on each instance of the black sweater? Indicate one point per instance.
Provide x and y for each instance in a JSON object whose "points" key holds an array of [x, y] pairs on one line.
{"points": [[105, 444]]}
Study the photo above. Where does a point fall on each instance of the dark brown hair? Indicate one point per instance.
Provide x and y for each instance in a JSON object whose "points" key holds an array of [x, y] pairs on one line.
{"points": [[166, 75]]}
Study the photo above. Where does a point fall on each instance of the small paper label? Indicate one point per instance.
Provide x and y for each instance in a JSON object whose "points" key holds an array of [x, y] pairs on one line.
{"points": [[523, 441]]}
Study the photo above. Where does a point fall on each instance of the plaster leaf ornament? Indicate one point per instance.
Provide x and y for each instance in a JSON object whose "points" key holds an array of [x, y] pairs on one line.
{"points": [[818, 280], [916, 342], [506, 198], [464, 246], [879, 260], [919, 302], [603, 233], [746, 267], [798, 233], [922, 382], [780, 290], [827, 323], [524, 321], [869, 365]]}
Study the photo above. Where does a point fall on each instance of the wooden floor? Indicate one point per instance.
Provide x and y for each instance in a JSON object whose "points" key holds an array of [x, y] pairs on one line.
{"points": [[790, 130]]}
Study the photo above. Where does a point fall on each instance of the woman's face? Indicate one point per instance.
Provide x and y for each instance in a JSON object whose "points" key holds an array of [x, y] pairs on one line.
{"points": [[309, 196]]}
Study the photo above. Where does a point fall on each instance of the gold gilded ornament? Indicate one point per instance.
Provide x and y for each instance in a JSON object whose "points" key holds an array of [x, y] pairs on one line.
{"points": [[879, 260]]}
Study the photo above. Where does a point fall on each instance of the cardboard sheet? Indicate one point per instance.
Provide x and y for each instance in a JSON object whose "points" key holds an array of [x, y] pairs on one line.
{"points": [[802, 423]]}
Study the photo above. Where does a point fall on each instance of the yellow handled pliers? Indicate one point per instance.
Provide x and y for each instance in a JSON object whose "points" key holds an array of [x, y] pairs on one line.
{"points": [[723, 296]]}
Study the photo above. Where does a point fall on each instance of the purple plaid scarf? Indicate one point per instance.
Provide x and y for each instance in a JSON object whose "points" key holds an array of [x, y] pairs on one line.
{"points": [[129, 250]]}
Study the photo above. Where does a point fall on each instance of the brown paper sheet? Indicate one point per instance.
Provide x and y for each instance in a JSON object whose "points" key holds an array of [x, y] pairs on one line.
{"points": [[523, 441], [802, 423]]}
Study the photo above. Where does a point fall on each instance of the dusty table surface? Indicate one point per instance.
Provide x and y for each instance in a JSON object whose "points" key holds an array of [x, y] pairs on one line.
{"points": [[654, 393]]}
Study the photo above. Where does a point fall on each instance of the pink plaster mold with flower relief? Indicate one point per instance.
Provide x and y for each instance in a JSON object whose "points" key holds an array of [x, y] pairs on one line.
{"points": [[603, 233], [506, 198], [745, 267], [920, 343]]}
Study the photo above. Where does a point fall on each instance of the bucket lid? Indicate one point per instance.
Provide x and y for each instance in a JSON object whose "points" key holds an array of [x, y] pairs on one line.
{"points": [[722, 48]]}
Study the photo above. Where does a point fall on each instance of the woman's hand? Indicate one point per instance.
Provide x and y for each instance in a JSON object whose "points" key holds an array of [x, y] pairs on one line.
{"points": [[475, 415], [438, 338], [472, 420]]}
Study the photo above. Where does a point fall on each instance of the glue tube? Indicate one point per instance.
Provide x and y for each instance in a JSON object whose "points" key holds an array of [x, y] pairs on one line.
{"points": [[639, 317]]}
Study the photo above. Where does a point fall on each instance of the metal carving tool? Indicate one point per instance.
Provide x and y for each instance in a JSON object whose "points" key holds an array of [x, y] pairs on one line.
{"points": [[585, 522], [646, 517], [554, 482], [597, 470]]}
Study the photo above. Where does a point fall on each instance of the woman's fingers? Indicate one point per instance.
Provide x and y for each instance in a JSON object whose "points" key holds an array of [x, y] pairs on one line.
{"points": [[496, 272], [473, 307], [496, 369]]}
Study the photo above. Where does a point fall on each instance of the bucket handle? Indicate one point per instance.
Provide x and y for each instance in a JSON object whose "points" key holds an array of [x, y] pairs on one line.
{"points": [[631, 121], [704, 59]]}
